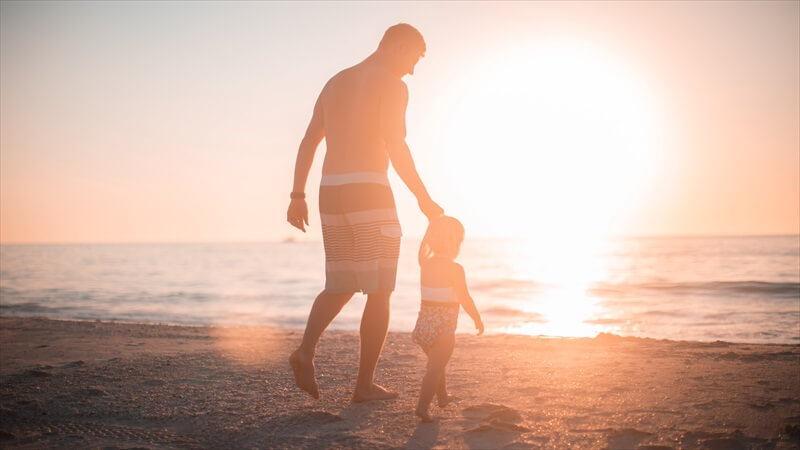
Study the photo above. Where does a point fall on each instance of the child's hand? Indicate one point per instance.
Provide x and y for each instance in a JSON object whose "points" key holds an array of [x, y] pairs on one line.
{"points": [[479, 326]]}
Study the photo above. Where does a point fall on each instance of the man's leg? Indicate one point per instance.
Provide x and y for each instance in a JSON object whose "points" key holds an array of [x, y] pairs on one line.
{"points": [[326, 306], [374, 325]]}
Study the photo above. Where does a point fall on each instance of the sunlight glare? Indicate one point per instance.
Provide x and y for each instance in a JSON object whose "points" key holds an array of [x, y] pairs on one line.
{"points": [[556, 136], [555, 142], [566, 311], [566, 270]]}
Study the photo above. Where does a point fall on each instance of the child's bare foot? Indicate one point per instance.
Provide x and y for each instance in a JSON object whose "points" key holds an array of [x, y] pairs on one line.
{"points": [[376, 392], [304, 376], [426, 418]]}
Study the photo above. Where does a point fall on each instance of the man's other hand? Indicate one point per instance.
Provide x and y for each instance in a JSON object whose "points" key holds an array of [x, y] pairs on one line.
{"points": [[430, 209], [297, 215]]}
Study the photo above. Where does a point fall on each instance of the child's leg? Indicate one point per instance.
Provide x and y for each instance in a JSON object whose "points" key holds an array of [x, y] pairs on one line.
{"points": [[441, 391], [438, 356]]}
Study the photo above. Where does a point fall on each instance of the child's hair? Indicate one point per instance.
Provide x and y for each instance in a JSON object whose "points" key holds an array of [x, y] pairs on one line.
{"points": [[442, 238]]}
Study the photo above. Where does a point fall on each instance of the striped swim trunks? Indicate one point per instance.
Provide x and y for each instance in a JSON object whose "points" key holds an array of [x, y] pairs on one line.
{"points": [[360, 231]]}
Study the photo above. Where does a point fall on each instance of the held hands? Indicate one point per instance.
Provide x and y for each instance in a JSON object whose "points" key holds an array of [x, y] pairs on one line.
{"points": [[479, 326], [430, 208], [297, 214]]}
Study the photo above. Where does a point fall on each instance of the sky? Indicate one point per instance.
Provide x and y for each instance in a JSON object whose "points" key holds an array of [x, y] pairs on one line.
{"points": [[180, 121]]}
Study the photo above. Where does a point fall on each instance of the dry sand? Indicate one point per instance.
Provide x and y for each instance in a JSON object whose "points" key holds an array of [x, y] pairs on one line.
{"points": [[114, 385]]}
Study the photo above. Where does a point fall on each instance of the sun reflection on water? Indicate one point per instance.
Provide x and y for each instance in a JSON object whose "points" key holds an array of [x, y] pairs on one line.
{"points": [[566, 269]]}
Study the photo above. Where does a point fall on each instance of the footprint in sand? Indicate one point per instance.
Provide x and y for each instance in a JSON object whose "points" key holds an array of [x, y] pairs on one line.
{"points": [[490, 411], [73, 364], [37, 373], [626, 438], [91, 391], [498, 426]]}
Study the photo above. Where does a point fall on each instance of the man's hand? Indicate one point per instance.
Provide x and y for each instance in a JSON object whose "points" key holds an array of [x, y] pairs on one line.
{"points": [[297, 214], [430, 208], [479, 326]]}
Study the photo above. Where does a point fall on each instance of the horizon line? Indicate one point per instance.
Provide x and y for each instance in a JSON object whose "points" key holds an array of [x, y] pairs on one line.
{"points": [[292, 239]]}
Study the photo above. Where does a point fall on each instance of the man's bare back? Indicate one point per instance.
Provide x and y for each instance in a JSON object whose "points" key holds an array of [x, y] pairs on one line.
{"points": [[361, 106]]}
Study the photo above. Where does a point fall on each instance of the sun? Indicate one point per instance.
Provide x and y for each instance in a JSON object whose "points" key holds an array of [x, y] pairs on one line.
{"points": [[550, 138]]}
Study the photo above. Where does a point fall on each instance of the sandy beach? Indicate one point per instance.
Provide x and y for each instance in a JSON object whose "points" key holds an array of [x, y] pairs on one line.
{"points": [[116, 385]]}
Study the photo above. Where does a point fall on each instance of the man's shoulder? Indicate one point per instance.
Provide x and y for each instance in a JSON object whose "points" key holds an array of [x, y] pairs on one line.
{"points": [[336, 77], [374, 79], [383, 78]]}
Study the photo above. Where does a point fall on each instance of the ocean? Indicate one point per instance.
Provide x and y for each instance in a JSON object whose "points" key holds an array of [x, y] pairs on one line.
{"points": [[736, 289]]}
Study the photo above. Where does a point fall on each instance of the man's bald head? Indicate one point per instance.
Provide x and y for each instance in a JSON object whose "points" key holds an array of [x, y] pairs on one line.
{"points": [[400, 49], [402, 35]]}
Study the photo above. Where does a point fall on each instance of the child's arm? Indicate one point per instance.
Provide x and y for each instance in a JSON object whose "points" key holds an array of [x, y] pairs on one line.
{"points": [[465, 299]]}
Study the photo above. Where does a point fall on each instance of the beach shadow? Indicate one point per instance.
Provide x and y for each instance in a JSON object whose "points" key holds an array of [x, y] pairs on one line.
{"points": [[424, 437]]}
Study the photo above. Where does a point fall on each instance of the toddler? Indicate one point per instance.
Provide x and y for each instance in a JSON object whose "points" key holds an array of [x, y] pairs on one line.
{"points": [[444, 291]]}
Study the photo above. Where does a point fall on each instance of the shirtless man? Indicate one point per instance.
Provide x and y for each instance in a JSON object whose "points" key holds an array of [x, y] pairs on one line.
{"points": [[361, 113]]}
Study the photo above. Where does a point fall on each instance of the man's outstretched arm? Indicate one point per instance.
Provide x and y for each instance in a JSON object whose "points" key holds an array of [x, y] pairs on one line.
{"points": [[393, 124], [403, 164], [297, 215]]}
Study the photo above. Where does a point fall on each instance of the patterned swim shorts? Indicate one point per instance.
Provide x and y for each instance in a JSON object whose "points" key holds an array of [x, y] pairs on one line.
{"points": [[360, 231], [434, 321]]}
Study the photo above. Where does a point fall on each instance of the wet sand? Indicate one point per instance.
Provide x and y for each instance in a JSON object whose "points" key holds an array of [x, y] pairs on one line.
{"points": [[68, 384]]}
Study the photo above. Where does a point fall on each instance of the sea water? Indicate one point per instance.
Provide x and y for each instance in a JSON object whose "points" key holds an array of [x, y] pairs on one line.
{"points": [[737, 289]]}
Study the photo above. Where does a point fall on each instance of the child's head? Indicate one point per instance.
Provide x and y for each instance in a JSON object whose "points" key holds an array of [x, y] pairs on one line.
{"points": [[443, 239]]}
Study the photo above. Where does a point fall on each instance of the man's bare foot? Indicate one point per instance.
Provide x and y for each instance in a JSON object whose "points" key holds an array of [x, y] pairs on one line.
{"points": [[426, 418], [445, 400], [376, 392], [304, 376]]}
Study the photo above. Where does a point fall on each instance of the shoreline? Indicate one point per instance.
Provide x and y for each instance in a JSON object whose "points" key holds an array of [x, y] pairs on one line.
{"points": [[458, 333], [67, 383]]}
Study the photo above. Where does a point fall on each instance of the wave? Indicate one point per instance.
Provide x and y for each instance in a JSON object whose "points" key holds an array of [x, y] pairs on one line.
{"points": [[772, 289], [504, 284], [504, 311]]}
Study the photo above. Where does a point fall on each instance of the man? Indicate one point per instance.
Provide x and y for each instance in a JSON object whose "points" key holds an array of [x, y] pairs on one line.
{"points": [[361, 114]]}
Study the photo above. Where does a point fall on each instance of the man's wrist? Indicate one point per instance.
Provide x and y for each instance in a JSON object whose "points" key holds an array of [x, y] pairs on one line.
{"points": [[297, 195], [424, 197]]}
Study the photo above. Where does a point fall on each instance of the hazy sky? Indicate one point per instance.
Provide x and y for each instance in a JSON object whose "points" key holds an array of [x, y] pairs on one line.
{"points": [[180, 121]]}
